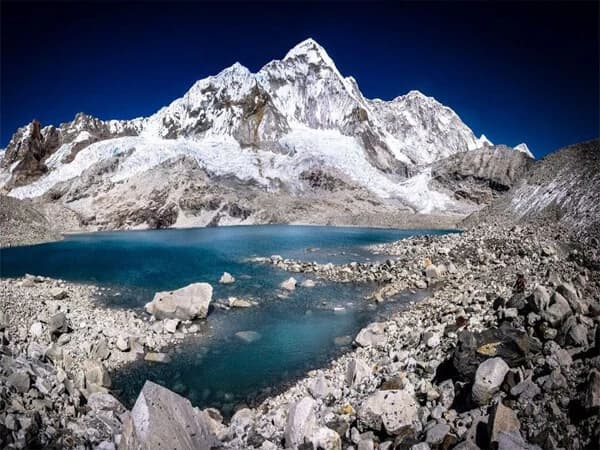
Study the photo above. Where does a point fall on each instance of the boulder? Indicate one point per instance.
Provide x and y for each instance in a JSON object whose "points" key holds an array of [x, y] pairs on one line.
{"points": [[300, 423], [488, 379], [431, 271], [100, 350], [568, 291], [187, 303], [37, 329], [103, 401], [357, 371], [447, 394], [502, 420], [96, 373], [372, 335], [308, 283], [170, 325], [289, 284], [162, 419], [395, 412], [20, 381], [58, 324], [234, 302], [326, 439], [122, 343], [241, 421], [436, 434], [320, 387], [539, 300], [58, 293], [431, 339], [513, 346], [558, 310], [226, 278]]}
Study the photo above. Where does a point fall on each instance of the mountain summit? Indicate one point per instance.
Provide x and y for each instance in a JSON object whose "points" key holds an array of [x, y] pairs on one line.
{"points": [[295, 124]]}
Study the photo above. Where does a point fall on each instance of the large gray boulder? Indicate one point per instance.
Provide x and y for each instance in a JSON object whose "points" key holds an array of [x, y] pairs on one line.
{"points": [[356, 371], [502, 420], [540, 299], [372, 335], [96, 373], [394, 411], [558, 311], [326, 439], [301, 422], [187, 303], [162, 419], [488, 378]]}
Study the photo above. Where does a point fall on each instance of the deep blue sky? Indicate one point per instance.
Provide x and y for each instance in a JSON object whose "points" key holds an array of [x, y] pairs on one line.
{"points": [[516, 72]]}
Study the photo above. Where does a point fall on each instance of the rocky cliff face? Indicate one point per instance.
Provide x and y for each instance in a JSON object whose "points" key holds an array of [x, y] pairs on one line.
{"points": [[263, 132], [481, 175], [563, 187], [22, 223]]}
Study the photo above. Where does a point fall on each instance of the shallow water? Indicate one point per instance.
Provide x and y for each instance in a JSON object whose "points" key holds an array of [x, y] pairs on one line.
{"points": [[217, 368]]}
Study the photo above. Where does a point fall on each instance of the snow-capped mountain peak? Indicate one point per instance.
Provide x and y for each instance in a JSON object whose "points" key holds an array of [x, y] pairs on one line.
{"points": [[270, 127], [523, 148], [310, 50], [483, 141]]}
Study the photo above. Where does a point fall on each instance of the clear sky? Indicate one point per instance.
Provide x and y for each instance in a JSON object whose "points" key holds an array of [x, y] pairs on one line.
{"points": [[513, 71]]}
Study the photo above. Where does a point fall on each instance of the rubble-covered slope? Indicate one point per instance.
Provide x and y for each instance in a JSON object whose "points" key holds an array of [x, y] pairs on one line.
{"points": [[21, 223], [564, 186], [480, 175]]}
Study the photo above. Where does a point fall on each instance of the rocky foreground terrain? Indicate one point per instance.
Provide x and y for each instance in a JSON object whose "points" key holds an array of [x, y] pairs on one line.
{"points": [[23, 224], [504, 354]]}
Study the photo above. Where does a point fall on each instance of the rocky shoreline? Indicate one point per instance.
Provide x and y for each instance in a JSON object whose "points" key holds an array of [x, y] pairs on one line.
{"points": [[504, 354]]}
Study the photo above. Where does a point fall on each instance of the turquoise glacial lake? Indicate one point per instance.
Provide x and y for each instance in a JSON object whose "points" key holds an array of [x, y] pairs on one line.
{"points": [[215, 367]]}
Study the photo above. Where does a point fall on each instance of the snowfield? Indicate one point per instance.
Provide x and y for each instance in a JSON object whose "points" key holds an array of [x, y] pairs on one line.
{"points": [[222, 156]]}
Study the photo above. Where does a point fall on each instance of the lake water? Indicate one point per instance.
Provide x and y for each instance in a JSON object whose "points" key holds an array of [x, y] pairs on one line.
{"points": [[216, 368]]}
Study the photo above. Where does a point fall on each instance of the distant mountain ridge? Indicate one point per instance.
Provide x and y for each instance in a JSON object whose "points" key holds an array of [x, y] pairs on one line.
{"points": [[266, 131]]}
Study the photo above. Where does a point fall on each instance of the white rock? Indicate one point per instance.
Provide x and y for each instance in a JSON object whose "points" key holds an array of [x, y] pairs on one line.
{"points": [[373, 334], [357, 371], [241, 421], [226, 278], [320, 387], [36, 329], [235, 302], [488, 379], [301, 422], [162, 419], [289, 284], [326, 439], [308, 283], [431, 271], [122, 343], [187, 303], [394, 411], [170, 325]]}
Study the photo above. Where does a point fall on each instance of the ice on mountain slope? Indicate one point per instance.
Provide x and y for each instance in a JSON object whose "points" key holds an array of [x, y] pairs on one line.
{"points": [[308, 149], [425, 129]]}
